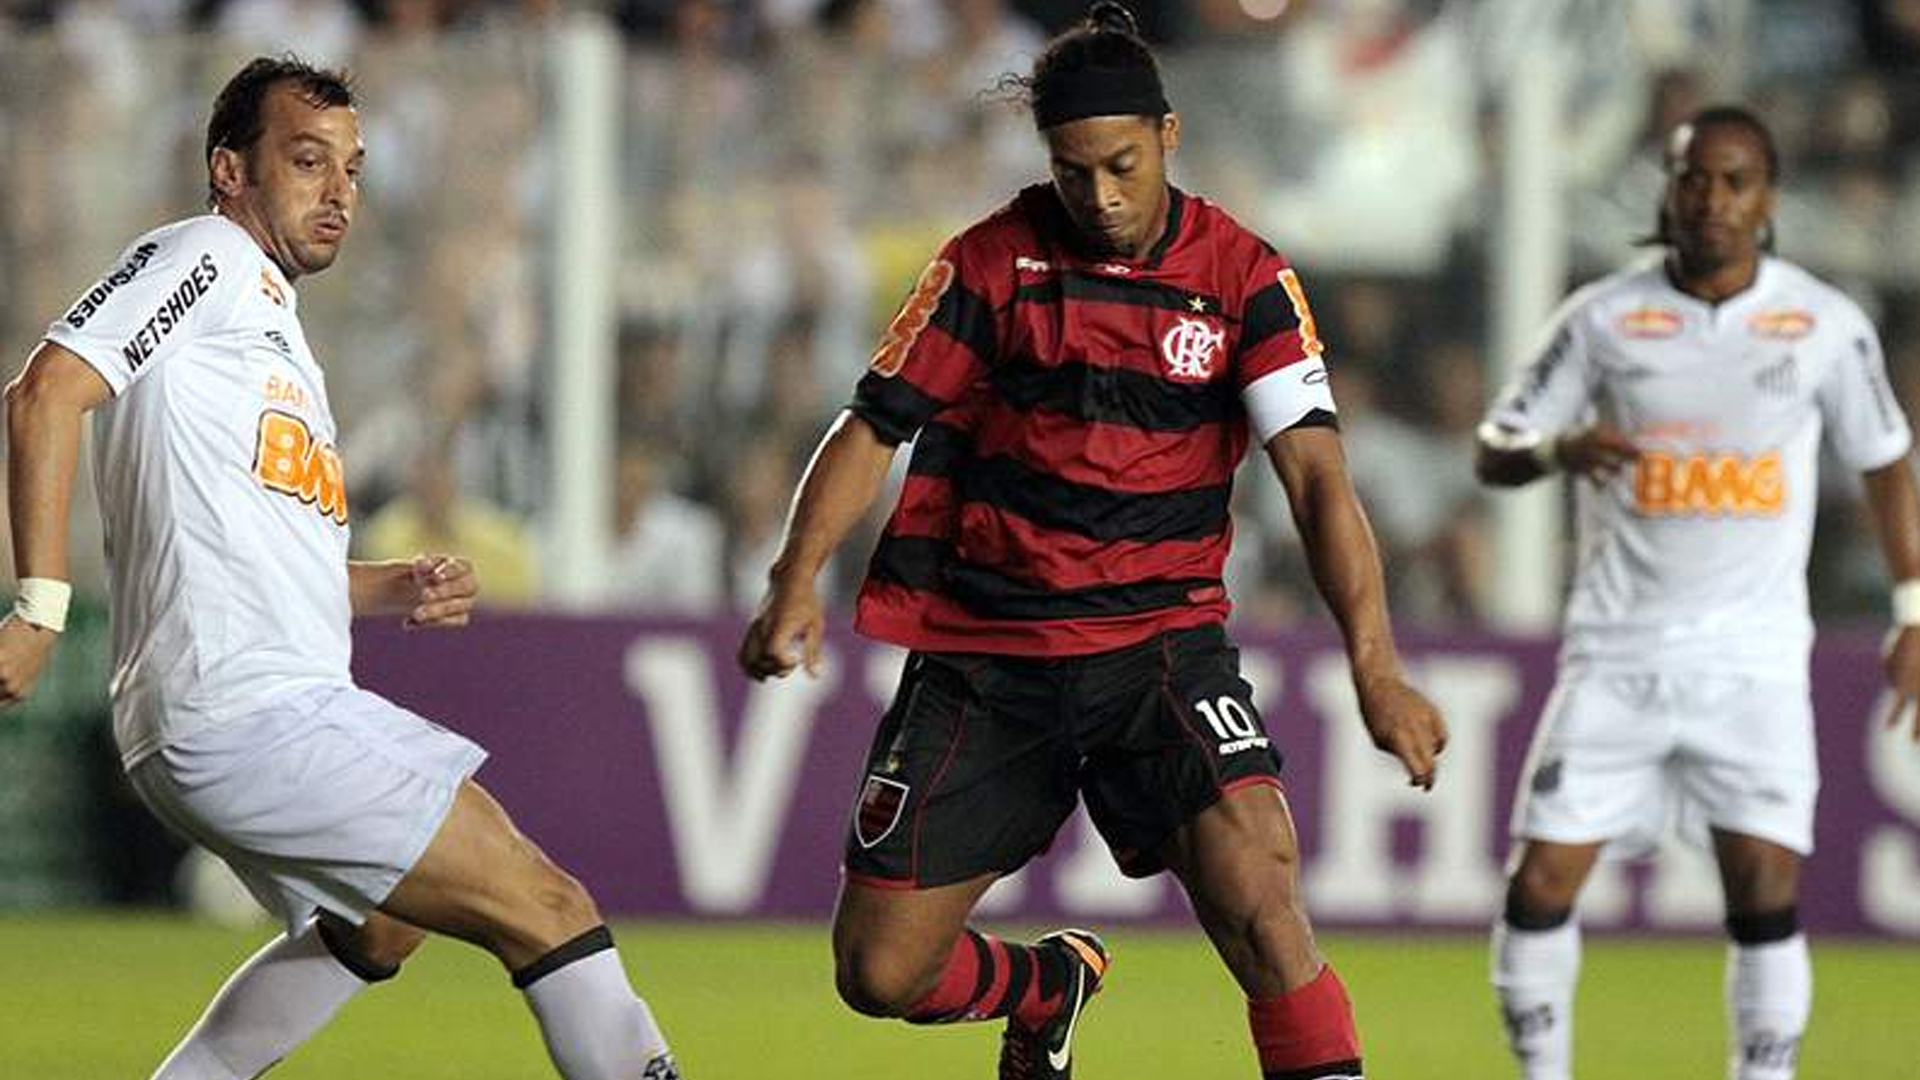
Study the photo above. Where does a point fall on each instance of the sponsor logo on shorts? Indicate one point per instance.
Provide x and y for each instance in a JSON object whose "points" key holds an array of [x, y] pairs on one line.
{"points": [[1546, 778], [881, 801]]}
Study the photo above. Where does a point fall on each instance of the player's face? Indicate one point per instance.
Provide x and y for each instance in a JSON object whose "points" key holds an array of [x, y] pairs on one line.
{"points": [[299, 185], [1111, 174], [1719, 196]]}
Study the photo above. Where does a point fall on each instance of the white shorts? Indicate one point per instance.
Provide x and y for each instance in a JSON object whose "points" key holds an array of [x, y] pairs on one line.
{"points": [[1620, 756], [324, 800]]}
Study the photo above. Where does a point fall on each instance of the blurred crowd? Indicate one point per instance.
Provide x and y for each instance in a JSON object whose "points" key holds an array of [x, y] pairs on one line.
{"points": [[788, 167]]}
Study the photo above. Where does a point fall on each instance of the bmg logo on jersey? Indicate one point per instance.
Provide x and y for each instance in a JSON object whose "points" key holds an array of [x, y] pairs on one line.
{"points": [[288, 459], [1708, 485]]}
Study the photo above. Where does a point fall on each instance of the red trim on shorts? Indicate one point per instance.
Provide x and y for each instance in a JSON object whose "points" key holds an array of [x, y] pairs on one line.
{"points": [[1232, 786], [933, 785], [890, 884]]}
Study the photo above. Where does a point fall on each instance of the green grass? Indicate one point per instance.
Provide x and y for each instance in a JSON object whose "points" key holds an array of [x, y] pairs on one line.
{"points": [[101, 998]]}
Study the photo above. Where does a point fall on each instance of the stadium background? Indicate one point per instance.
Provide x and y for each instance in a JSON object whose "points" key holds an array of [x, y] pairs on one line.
{"points": [[615, 269]]}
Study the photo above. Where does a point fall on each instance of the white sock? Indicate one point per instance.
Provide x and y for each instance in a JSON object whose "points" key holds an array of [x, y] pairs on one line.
{"points": [[273, 1003], [595, 1027], [1534, 972], [1769, 994]]}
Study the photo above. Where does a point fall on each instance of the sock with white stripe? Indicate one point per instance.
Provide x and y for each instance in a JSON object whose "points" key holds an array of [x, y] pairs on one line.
{"points": [[1534, 972], [271, 1004], [594, 1025]]}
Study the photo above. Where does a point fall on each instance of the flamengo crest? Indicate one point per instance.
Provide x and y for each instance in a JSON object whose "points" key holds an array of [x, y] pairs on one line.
{"points": [[1188, 349]]}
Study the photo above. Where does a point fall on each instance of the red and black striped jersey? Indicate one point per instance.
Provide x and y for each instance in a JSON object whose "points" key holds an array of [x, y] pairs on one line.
{"points": [[1076, 424]]}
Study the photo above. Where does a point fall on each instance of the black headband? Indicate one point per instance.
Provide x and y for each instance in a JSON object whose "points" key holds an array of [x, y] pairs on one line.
{"points": [[1076, 95]]}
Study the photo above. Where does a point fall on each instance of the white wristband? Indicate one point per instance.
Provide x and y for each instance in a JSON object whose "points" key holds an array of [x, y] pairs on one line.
{"points": [[1545, 453], [43, 602], [1906, 603]]}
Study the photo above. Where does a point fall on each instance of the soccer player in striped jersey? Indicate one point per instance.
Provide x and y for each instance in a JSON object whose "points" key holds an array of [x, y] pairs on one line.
{"points": [[1688, 395], [1079, 374]]}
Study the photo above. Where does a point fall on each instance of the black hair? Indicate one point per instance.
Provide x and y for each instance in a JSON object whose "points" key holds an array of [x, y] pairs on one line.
{"points": [[239, 111], [1716, 116], [1106, 40]]}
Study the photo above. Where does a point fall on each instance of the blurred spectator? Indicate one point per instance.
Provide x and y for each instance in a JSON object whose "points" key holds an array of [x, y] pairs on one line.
{"points": [[1387, 147], [754, 508], [668, 558], [434, 516], [320, 31]]}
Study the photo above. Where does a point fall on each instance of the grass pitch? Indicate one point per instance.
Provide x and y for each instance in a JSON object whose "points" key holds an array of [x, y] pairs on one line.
{"points": [[91, 997]]}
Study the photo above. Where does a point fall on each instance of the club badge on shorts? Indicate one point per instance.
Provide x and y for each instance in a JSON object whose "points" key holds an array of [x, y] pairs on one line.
{"points": [[881, 801]]}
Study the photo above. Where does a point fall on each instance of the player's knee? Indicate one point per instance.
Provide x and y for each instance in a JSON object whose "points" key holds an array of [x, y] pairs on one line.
{"points": [[564, 907], [387, 943], [375, 949], [875, 984], [1537, 904]]}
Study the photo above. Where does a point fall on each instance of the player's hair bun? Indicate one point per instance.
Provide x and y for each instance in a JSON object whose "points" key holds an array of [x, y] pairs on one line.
{"points": [[1111, 16]]}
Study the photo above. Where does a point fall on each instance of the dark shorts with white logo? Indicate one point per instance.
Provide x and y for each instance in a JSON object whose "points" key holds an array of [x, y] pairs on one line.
{"points": [[981, 759]]}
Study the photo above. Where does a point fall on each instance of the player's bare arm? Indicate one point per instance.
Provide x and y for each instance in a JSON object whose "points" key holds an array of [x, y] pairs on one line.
{"points": [[1346, 569], [841, 482], [1895, 507], [436, 591], [44, 407], [1506, 458]]}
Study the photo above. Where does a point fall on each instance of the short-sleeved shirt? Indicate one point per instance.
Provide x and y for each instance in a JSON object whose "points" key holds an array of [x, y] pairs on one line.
{"points": [[1077, 420], [1696, 557], [223, 496]]}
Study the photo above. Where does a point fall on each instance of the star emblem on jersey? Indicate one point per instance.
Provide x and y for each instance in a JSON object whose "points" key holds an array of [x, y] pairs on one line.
{"points": [[1197, 304], [1188, 349]]}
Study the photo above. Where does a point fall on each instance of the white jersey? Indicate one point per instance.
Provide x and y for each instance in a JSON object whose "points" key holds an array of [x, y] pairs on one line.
{"points": [[223, 498], [1695, 558]]}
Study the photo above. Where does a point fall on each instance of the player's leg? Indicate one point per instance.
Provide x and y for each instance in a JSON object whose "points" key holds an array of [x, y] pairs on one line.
{"points": [[907, 953], [1536, 955], [970, 775], [285, 993], [1596, 774], [483, 881], [1769, 975], [1239, 861], [1181, 775]]}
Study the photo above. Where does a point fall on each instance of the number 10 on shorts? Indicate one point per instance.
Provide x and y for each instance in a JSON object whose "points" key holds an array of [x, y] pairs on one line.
{"points": [[1232, 723]]}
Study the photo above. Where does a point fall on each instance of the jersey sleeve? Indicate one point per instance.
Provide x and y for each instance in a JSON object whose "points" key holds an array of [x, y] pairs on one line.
{"points": [[945, 337], [1861, 416], [1282, 374], [168, 286], [1556, 387]]}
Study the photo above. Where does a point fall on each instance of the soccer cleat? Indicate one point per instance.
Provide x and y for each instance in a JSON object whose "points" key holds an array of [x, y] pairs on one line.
{"points": [[1047, 1054]]}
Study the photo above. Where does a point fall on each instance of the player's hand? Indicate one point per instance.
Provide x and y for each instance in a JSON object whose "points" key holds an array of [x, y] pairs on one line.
{"points": [[786, 634], [1598, 452], [1405, 724], [1902, 661], [24, 649], [445, 590]]}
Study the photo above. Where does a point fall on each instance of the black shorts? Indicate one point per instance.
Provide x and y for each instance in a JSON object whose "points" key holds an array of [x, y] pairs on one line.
{"points": [[980, 759]]}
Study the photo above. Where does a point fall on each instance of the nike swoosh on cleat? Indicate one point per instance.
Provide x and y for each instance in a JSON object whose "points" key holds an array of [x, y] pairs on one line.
{"points": [[1060, 1058]]}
